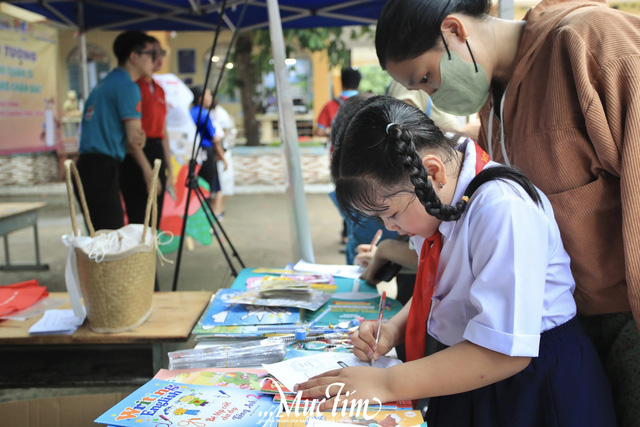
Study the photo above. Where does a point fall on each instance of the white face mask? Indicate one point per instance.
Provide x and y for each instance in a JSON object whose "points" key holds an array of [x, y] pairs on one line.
{"points": [[464, 86]]}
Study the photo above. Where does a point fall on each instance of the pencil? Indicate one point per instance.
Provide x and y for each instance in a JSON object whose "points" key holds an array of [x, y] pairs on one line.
{"points": [[380, 312]]}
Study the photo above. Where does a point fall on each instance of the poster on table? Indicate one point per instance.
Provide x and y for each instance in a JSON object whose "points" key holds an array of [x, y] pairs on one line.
{"points": [[28, 104]]}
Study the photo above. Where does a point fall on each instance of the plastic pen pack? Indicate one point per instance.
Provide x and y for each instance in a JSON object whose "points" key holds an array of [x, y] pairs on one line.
{"points": [[252, 353]]}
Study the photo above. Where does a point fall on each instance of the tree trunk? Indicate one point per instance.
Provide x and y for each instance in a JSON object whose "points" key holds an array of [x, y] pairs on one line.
{"points": [[246, 84]]}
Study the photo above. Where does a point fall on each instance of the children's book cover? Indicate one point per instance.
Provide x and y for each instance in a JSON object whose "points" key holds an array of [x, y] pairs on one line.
{"points": [[236, 331], [381, 418], [291, 398], [319, 282], [252, 296], [245, 379], [224, 311], [164, 403], [336, 311]]}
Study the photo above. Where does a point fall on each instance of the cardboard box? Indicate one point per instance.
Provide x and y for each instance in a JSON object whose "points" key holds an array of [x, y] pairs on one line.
{"points": [[68, 411]]}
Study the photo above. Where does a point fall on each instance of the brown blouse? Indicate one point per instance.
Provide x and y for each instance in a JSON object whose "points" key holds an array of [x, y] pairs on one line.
{"points": [[572, 125]]}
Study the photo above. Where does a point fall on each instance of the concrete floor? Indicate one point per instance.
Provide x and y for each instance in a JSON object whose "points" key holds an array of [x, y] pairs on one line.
{"points": [[258, 225]]}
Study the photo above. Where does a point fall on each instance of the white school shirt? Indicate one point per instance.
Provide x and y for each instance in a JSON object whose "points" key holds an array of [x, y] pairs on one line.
{"points": [[503, 276]]}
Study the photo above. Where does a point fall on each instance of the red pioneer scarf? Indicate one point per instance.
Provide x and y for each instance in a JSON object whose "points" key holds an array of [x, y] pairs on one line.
{"points": [[416, 330]]}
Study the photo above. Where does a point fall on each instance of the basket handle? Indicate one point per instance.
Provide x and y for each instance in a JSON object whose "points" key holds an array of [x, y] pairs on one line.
{"points": [[70, 168], [152, 202]]}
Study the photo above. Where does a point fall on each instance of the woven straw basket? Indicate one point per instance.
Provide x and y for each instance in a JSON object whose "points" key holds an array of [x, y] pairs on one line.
{"points": [[117, 292]]}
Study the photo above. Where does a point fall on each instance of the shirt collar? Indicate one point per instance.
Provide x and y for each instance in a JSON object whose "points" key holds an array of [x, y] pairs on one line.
{"points": [[122, 70], [467, 173], [348, 93]]}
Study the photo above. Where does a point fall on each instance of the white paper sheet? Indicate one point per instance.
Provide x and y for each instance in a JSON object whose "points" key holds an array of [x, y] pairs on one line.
{"points": [[56, 322], [300, 369], [348, 271]]}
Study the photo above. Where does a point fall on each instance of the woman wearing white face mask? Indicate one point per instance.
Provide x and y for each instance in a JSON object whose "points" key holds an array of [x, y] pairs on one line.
{"points": [[557, 98]]}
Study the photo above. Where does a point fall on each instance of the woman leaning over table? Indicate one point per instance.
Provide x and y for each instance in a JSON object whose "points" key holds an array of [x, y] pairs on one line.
{"points": [[558, 97]]}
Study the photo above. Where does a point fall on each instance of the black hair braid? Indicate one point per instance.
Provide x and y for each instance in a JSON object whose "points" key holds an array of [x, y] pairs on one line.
{"points": [[420, 179]]}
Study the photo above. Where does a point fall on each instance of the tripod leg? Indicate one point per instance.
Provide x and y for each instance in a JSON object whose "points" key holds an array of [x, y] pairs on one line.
{"points": [[176, 272], [224, 233], [209, 214]]}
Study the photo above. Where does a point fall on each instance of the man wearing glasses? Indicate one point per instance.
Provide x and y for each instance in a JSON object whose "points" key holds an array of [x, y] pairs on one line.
{"points": [[111, 128], [154, 112]]}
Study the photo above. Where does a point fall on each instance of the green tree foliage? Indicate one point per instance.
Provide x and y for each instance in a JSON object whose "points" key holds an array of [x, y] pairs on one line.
{"points": [[374, 79], [260, 60]]}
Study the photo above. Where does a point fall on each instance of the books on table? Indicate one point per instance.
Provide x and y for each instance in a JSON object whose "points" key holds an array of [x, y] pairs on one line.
{"points": [[164, 403], [223, 311]]}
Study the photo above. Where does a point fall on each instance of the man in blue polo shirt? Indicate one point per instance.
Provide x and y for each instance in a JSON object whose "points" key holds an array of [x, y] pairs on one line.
{"points": [[111, 128]]}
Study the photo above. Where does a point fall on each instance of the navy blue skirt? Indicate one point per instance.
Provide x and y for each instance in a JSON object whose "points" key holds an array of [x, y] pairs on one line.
{"points": [[564, 386]]}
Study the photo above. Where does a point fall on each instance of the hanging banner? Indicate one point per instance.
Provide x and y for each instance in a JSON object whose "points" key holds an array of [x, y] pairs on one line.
{"points": [[28, 107]]}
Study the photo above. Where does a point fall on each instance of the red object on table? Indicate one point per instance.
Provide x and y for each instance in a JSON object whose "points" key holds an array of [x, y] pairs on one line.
{"points": [[17, 297]]}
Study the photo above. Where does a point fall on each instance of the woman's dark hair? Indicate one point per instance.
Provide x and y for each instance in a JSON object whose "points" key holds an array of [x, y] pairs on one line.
{"points": [[408, 28], [381, 144], [198, 92]]}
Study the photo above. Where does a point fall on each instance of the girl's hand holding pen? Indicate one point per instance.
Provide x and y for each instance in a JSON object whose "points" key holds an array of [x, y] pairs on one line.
{"points": [[360, 381], [366, 253], [364, 340], [372, 261], [366, 258]]}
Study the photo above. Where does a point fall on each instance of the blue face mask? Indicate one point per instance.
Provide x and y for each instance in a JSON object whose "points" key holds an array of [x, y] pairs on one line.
{"points": [[464, 86]]}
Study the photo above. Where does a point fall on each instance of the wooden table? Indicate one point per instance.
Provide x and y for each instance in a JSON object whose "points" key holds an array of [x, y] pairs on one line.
{"points": [[14, 216], [173, 316]]}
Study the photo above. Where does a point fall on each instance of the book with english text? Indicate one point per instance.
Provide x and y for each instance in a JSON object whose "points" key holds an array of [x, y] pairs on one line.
{"points": [[164, 403]]}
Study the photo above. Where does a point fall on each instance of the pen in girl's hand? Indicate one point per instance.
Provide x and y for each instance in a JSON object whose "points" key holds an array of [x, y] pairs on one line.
{"points": [[380, 312], [376, 239]]}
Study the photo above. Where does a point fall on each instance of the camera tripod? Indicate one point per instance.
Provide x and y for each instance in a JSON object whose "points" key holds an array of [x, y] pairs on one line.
{"points": [[192, 178]]}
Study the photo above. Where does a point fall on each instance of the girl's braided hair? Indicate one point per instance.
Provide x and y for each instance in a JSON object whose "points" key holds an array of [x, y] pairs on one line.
{"points": [[378, 155], [408, 152]]}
